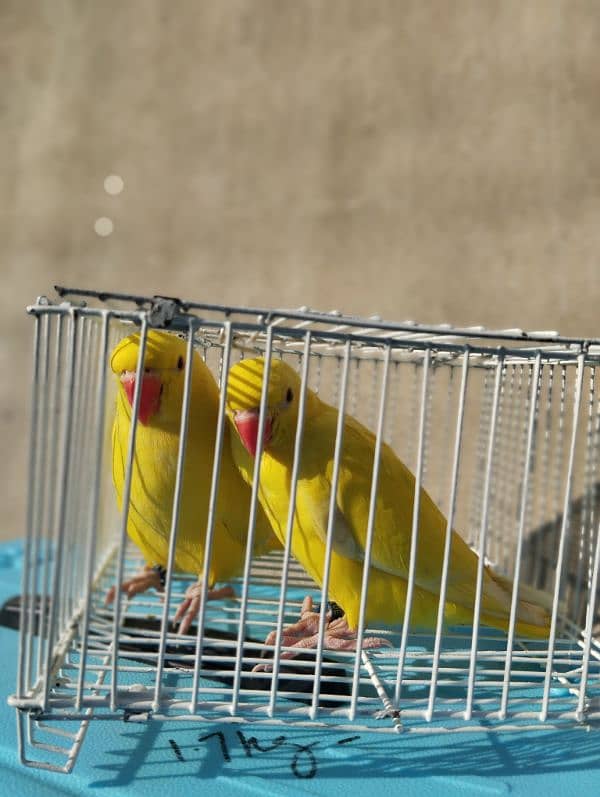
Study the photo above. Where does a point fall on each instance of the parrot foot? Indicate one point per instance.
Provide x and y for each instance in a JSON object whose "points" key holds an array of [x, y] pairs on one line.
{"points": [[190, 605], [149, 577], [305, 634]]}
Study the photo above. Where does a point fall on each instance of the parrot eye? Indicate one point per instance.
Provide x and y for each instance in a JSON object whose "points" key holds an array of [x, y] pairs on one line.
{"points": [[180, 363], [289, 396]]}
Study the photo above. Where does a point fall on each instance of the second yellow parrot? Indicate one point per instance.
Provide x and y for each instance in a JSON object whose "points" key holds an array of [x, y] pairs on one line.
{"points": [[391, 549]]}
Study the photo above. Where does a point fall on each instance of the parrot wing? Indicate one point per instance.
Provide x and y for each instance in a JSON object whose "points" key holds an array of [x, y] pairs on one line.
{"points": [[351, 509], [390, 552], [313, 506]]}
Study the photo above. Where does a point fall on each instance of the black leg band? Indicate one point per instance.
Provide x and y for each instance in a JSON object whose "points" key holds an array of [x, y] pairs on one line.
{"points": [[336, 611], [162, 574]]}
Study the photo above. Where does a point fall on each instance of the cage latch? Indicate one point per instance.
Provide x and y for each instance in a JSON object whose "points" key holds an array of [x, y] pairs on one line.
{"points": [[163, 310]]}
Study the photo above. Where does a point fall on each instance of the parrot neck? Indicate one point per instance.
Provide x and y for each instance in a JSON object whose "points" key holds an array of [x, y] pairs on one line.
{"points": [[281, 446]]}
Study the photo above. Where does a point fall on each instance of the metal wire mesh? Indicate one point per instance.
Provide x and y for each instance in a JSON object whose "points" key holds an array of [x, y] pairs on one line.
{"points": [[500, 427]]}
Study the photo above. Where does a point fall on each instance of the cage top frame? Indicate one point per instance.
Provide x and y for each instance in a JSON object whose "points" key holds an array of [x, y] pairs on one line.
{"points": [[329, 330]]}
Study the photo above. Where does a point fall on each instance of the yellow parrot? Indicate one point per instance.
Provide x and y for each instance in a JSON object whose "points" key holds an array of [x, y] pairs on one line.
{"points": [[154, 470], [390, 553]]}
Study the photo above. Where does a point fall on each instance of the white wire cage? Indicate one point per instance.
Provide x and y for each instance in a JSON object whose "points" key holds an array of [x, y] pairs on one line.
{"points": [[502, 428]]}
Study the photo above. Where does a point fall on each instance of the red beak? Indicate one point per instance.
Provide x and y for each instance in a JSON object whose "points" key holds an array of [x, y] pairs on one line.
{"points": [[246, 423], [150, 398]]}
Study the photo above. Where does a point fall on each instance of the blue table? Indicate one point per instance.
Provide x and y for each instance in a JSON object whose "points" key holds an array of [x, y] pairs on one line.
{"points": [[173, 758]]}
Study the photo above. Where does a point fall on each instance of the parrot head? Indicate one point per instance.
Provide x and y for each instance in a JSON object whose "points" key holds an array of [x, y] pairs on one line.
{"points": [[244, 388], [163, 374]]}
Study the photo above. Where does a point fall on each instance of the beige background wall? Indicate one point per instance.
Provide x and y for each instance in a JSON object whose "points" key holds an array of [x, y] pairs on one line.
{"points": [[428, 159]]}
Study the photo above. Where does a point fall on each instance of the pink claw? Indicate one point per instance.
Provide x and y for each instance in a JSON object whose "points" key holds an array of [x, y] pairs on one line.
{"points": [[146, 579], [304, 635], [190, 606]]}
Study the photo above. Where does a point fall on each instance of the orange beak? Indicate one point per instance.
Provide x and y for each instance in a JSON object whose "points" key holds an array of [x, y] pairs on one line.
{"points": [[151, 394], [246, 423]]}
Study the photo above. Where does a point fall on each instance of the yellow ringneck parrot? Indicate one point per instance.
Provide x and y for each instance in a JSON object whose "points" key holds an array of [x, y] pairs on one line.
{"points": [[155, 463], [390, 553]]}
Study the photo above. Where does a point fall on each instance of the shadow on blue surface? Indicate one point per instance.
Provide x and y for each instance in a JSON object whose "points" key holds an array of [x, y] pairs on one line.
{"points": [[296, 754], [168, 758]]}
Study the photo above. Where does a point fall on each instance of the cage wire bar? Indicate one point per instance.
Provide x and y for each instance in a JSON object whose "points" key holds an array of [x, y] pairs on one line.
{"points": [[501, 427]]}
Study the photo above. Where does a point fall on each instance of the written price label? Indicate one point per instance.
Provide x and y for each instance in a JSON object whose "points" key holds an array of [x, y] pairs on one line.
{"points": [[302, 757]]}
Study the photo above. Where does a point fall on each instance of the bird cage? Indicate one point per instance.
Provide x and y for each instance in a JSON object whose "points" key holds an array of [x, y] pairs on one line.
{"points": [[501, 428]]}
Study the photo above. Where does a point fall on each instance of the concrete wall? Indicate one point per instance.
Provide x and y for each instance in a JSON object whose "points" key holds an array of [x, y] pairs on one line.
{"points": [[427, 159]]}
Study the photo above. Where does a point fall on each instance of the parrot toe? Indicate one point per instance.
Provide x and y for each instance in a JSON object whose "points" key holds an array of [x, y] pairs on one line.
{"points": [[304, 635], [190, 606], [147, 579]]}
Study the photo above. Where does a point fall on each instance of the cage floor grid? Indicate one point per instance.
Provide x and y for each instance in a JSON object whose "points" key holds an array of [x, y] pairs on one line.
{"points": [[377, 707]]}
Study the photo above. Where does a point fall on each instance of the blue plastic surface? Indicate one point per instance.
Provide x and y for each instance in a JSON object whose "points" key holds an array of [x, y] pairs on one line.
{"points": [[172, 758]]}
